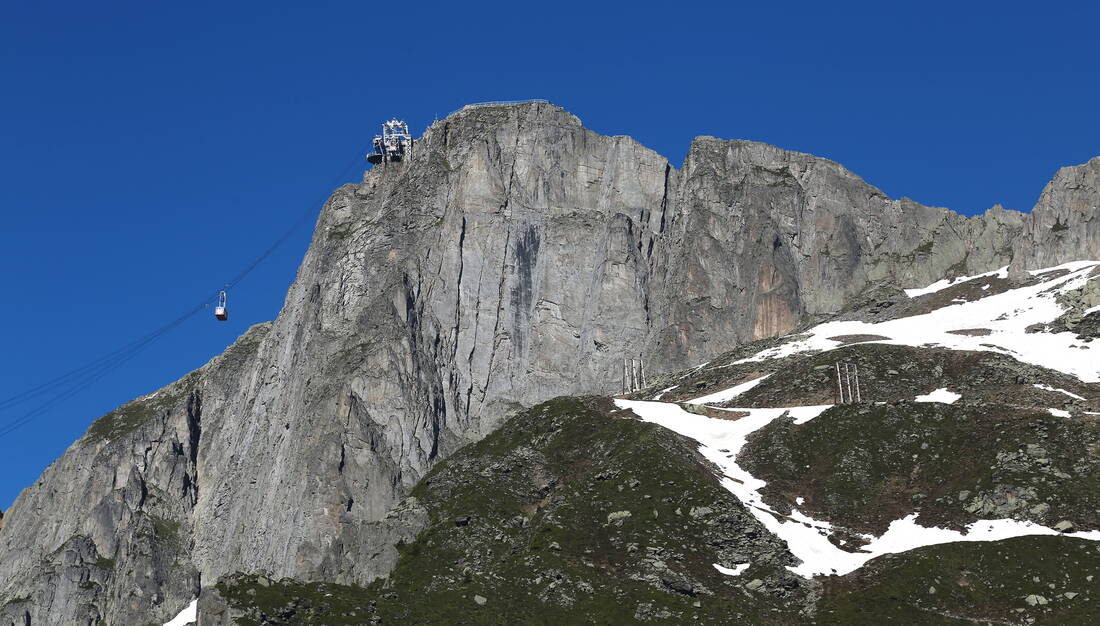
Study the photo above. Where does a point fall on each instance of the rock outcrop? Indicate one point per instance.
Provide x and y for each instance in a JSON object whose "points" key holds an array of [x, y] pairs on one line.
{"points": [[1065, 223], [513, 257]]}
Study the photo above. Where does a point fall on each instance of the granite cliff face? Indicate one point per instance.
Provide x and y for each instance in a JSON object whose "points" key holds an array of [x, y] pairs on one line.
{"points": [[514, 257], [1065, 224]]}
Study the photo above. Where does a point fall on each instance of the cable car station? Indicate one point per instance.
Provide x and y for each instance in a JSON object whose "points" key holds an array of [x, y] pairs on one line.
{"points": [[392, 145]]}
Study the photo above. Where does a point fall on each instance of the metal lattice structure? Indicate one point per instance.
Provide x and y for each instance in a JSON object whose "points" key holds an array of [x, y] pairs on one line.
{"points": [[393, 144]]}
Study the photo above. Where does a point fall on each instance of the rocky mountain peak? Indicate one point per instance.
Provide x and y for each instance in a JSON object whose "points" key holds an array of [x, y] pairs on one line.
{"points": [[513, 257]]}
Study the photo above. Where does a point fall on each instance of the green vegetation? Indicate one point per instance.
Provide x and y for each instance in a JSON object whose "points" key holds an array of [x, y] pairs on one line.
{"points": [[105, 563], [890, 373], [544, 549], [16, 600], [528, 527], [959, 268], [290, 602], [862, 466], [165, 530], [132, 415], [340, 232], [1047, 579]]}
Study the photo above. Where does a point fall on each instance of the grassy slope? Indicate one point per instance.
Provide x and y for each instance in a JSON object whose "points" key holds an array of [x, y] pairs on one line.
{"points": [[522, 520], [986, 583], [887, 373], [862, 466]]}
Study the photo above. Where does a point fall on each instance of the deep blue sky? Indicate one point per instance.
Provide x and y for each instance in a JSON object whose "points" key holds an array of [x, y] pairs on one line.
{"points": [[149, 151]]}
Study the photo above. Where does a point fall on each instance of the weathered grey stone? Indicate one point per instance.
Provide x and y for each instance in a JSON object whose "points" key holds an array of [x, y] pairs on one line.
{"points": [[617, 517], [700, 511], [1065, 223]]}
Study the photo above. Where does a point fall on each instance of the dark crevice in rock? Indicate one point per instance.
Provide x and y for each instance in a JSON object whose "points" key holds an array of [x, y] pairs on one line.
{"points": [[143, 490], [194, 433], [522, 300], [458, 288]]}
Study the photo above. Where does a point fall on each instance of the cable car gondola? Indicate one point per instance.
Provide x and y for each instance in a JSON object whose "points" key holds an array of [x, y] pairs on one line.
{"points": [[221, 312]]}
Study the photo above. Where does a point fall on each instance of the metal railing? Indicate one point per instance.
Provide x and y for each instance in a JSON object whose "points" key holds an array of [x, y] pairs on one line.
{"points": [[499, 103]]}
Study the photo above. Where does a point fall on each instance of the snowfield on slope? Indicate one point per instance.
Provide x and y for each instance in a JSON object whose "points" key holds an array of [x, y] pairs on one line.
{"points": [[940, 285], [939, 395], [807, 538], [736, 571], [1007, 315], [1061, 391], [727, 394], [187, 616]]}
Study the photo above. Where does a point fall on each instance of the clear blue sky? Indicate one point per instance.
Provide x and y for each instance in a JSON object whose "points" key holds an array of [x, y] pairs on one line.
{"points": [[151, 150]]}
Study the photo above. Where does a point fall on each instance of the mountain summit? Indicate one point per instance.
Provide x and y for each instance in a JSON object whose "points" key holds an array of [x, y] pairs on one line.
{"points": [[513, 257]]}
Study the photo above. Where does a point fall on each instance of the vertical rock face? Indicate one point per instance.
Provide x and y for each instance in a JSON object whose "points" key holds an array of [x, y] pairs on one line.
{"points": [[514, 257], [1065, 223]]}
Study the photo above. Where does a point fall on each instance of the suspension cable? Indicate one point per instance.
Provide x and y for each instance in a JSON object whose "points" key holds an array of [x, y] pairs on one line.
{"points": [[73, 382]]}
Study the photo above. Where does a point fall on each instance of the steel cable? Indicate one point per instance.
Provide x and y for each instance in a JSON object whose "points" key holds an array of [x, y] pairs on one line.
{"points": [[73, 382]]}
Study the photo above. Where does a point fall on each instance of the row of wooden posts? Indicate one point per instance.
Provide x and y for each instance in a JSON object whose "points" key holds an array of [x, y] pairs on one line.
{"points": [[845, 377], [633, 375], [847, 380]]}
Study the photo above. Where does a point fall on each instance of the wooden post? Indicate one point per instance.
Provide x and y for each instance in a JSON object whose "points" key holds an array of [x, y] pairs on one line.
{"points": [[848, 380], [839, 386], [859, 398]]}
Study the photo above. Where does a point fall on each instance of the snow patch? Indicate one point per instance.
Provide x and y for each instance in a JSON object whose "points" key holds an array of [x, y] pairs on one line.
{"points": [[940, 285], [1007, 315], [800, 500], [736, 571], [728, 394], [663, 392], [1049, 388], [1059, 413], [188, 615], [807, 538], [939, 395], [803, 414], [1072, 266]]}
